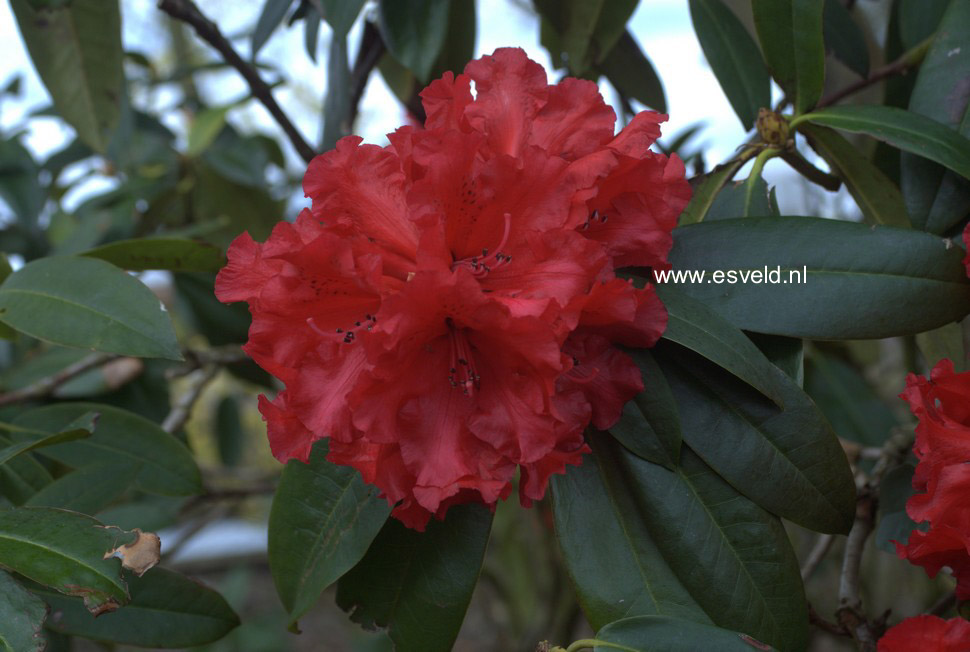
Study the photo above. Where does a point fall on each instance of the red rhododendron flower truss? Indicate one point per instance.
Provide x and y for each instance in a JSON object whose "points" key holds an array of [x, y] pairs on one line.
{"points": [[927, 633], [447, 311], [942, 405]]}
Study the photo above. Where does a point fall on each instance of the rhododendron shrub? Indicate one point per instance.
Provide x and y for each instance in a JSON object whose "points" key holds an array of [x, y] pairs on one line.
{"points": [[447, 312]]}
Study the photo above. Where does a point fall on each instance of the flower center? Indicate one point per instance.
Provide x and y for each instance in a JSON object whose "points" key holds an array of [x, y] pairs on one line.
{"points": [[481, 266], [461, 369], [594, 219]]}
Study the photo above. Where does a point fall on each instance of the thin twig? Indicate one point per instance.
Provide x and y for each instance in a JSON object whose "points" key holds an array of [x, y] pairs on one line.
{"points": [[902, 65], [851, 614], [818, 552], [183, 406], [46, 386], [187, 12], [798, 162], [198, 358]]}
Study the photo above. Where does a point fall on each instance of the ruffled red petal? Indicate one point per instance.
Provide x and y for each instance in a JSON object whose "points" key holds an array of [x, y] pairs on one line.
{"points": [[927, 633]]}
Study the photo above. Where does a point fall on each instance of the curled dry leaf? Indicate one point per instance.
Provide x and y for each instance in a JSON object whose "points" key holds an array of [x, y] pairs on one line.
{"points": [[139, 555]]}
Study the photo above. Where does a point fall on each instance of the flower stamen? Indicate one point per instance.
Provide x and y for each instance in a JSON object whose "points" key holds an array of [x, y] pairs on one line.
{"points": [[461, 370], [481, 266]]}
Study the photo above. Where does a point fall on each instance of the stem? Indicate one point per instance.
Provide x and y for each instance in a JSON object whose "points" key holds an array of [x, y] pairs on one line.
{"points": [[582, 644], [909, 59], [183, 407], [810, 172], [46, 386], [819, 550], [756, 167], [187, 12]]}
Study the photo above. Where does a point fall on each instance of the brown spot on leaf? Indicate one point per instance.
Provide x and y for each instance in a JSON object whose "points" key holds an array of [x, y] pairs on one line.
{"points": [[139, 555]]}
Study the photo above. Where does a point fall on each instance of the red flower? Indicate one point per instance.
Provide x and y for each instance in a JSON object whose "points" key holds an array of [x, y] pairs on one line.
{"points": [[927, 634], [446, 311], [942, 405]]}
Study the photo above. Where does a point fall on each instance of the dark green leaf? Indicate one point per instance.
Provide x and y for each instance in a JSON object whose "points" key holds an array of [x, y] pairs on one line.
{"points": [[650, 633], [174, 254], [733, 557], [610, 555], [788, 460], [938, 199], [844, 39], [587, 30], [853, 290], [167, 610], [230, 188], [19, 186], [910, 132], [324, 517], [459, 45], [165, 465], [849, 403], [876, 195], [219, 322], [632, 74], [786, 353], [695, 326], [649, 425], [22, 616], [336, 106], [418, 584], [739, 199], [80, 428], [918, 19], [341, 14], [65, 551], [87, 490], [269, 20], [734, 57], [790, 32], [89, 304], [415, 31], [706, 190], [22, 477], [895, 489], [76, 49]]}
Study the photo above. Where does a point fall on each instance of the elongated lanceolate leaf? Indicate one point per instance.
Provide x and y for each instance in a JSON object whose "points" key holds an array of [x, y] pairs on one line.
{"points": [[418, 584], [76, 48], [734, 57], [89, 304], [164, 465], [705, 192], [854, 281], [649, 425], [415, 32], [733, 557], [876, 195], [693, 325], [324, 518], [631, 73], [167, 610], [22, 616], [646, 633], [269, 19], [787, 460], [938, 199], [65, 550], [910, 132], [80, 428], [619, 572], [790, 32]]}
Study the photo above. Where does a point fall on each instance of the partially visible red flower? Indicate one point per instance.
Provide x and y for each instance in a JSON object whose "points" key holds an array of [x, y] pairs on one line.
{"points": [[942, 405], [447, 310], [927, 634]]}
